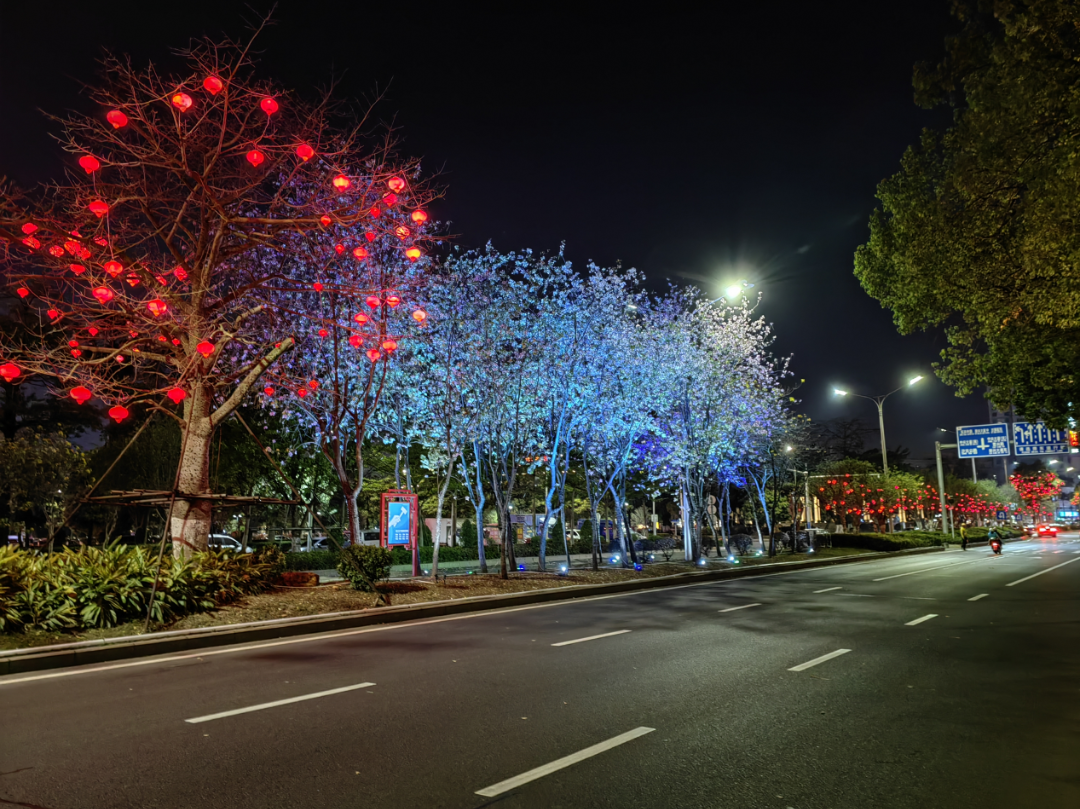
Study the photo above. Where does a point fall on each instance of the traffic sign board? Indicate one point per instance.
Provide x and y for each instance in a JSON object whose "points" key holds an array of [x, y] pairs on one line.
{"points": [[983, 440], [1035, 438], [1003, 515]]}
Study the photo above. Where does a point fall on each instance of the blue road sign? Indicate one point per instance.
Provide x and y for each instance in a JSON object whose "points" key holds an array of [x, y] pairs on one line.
{"points": [[983, 440], [1003, 515], [398, 526], [1035, 438]]}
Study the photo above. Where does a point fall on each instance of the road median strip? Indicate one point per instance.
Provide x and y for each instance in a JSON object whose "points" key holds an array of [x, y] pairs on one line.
{"points": [[80, 653]]}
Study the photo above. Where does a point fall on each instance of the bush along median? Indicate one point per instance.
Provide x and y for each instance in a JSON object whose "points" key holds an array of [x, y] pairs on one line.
{"points": [[911, 539], [104, 587]]}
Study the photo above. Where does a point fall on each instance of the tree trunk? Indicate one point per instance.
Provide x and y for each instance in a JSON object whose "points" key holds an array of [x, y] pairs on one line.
{"points": [[189, 520]]}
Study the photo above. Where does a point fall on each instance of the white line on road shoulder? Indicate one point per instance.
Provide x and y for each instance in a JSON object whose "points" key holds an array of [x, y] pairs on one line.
{"points": [[743, 607], [827, 589], [923, 570], [1033, 575], [561, 763], [920, 620], [980, 595], [816, 660], [276, 703], [592, 637]]}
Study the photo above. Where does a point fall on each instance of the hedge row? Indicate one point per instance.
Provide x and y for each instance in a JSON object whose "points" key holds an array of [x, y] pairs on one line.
{"points": [[909, 539], [102, 587]]}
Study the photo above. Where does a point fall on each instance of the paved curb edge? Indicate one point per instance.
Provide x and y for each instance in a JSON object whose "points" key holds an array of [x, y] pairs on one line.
{"points": [[21, 661]]}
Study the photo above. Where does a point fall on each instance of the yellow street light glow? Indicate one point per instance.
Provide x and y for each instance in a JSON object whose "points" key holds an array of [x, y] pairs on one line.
{"points": [[913, 381], [733, 291]]}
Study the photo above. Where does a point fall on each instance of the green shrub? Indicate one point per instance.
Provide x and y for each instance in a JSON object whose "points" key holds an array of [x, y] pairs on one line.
{"points": [[365, 566], [467, 535], [107, 586], [312, 560], [886, 542]]}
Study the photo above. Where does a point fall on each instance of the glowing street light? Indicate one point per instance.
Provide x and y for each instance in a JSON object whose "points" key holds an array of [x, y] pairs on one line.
{"points": [[880, 401]]}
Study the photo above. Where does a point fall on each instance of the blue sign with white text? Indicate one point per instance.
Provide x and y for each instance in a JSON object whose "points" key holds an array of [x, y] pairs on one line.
{"points": [[398, 523], [983, 440], [1035, 438]]}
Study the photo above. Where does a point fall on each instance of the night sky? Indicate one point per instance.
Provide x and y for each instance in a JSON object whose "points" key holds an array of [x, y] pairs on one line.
{"points": [[745, 143]]}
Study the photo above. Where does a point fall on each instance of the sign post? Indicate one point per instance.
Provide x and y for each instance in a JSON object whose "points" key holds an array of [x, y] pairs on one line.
{"points": [[400, 522]]}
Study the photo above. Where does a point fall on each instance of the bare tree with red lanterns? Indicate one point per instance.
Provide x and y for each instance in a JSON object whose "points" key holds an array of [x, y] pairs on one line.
{"points": [[183, 251]]}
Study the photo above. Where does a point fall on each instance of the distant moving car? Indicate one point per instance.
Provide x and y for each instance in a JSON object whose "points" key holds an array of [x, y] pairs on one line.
{"points": [[1047, 530], [224, 542]]}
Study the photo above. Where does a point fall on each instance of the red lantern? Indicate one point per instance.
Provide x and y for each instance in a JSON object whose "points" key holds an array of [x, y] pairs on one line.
{"points": [[355, 340], [302, 392], [413, 253], [390, 200], [269, 391], [317, 286], [323, 332], [10, 371], [392, 301], [98, 208], [119, 413], [374, 211], [180, 273], [395, 184], [373, 354], [360, 252], [104, 294], [117, 119], [402, 232], [93, 331], [89, 163], [23, 292], [80, 394], [56, 250], [29, 228], [212, 85], [419, 315], [341, 182], [339, 248], [255, 158], [31, 242], [205, 348], [361, 318], [305, 152], [269, 106], [182, 101], [325, 220], [113, 267], [419, 217], [177, 395], [373, 301], [389, 345], [313, 384], [157, 307]]}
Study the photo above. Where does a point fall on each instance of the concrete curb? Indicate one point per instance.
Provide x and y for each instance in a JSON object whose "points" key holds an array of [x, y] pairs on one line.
{"points": [[21, 661]]}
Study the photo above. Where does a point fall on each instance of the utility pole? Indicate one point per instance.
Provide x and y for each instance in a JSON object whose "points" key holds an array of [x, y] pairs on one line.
{"points": [[938, 446]]}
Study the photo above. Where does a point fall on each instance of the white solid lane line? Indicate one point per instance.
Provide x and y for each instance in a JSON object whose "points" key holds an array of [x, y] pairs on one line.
{"points": [[1033, 575], [816, 660], [920, 620], [561, 763], [980, 595], [743, 607], [827, 589], [592, 637], [924, 570], [276, 703]]}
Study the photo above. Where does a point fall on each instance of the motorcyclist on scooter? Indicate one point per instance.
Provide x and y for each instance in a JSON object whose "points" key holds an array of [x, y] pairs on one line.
{"points": [[994, 540]]}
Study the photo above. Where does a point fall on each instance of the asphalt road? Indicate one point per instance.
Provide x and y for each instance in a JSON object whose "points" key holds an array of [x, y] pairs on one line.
{"points": [[701, 697]]}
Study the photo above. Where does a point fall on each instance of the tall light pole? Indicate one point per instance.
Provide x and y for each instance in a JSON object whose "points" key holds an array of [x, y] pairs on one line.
{"points": [[880, 401]]}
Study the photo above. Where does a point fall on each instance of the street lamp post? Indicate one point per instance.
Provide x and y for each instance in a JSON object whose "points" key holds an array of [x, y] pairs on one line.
{"points": [[880, 401]]}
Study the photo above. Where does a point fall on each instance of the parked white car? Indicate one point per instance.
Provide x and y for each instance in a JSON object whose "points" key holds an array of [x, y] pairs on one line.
{"points": [[224, 542]]}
